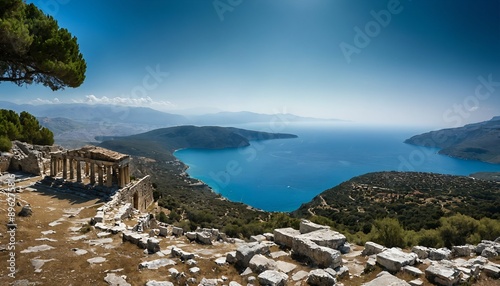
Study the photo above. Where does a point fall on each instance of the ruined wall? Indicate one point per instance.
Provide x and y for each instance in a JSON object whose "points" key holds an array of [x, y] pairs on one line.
{"points": [[34, 159], [5, 161], [139, 194]]}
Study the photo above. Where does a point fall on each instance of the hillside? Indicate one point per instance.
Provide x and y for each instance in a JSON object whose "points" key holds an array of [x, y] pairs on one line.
{"points": [[407, 196], [479, 141], [163, 142]]}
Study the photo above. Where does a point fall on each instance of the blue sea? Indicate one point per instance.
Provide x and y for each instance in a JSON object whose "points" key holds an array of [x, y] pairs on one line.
{"points": [[280, 175]]}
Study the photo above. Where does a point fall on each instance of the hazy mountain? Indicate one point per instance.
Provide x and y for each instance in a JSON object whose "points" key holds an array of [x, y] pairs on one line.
{"points": [[250, 117], [478, 141], [149, 116], [100, 113]]}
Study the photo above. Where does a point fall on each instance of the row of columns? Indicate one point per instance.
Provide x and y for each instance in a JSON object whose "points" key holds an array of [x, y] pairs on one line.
{"points": [[106, 171]]}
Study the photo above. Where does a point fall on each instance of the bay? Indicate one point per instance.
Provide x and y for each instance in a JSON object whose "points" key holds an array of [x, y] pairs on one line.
{"points": [[280, 175]]}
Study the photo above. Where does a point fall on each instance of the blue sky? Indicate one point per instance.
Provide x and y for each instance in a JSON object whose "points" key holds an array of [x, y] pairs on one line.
{"points": [[425, 62]]}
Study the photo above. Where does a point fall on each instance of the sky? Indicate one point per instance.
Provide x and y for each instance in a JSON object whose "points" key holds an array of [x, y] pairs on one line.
{"points": [[401, 62]]}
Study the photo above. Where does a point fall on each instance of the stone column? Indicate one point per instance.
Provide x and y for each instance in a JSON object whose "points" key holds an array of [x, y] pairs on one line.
{"points": [[71, 169], [87, 171], [52, 166], [101, 174], [65, 167], [127, 174], [78, 171], [109, 177], [92, 173], [121, 177]]}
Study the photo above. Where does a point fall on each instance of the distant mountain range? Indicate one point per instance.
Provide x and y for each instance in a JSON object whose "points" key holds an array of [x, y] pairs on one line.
{"points": [[478, 141], [145, 115], [76, 124]]}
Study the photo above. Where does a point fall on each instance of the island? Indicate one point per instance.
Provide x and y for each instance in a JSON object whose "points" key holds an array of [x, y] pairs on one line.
{"points": [[478, 141]]}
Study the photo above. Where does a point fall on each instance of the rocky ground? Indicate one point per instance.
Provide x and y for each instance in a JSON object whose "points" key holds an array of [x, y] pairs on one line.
{"points": [[57, 246]]}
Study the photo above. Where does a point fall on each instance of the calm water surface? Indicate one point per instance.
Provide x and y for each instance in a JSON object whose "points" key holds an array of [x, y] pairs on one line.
{"points": [[280, 175]]}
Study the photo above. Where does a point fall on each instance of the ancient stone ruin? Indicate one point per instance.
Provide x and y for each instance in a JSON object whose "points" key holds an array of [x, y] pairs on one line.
{"points": [[109, 166]]}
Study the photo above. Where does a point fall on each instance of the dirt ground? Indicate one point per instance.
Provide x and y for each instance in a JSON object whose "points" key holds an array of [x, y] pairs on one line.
{"points": [[56, 224]]}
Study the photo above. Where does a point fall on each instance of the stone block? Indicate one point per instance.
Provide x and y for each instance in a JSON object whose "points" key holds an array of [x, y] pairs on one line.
{"points": [[272, 278], [191, 235], [231, 257], [441, 274], [319, 277], [307, 226], [204, 238], [153, 245], [322, 256], [177, 231], [259, 263], [372, 248], [492, 271], [284, 236], [421, 251], [394, 259], [345, 248], [384, 278], [489, 252], [461, 251], [245, 252], [183, 255], [155, 264], [285, 267], [258, 238], [439, 254], [325, 237], [412, 270]]}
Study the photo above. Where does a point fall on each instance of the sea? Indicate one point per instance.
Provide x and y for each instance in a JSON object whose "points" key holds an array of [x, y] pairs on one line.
{"points": [[280, 175]]}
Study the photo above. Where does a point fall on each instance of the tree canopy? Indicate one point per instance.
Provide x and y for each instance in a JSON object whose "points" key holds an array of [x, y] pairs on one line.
{"points": [[33, 49], [24, 127]]}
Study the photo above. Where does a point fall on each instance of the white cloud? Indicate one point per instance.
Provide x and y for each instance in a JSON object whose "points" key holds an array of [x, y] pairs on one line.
{"points": [[128, 101], [39, 101]]}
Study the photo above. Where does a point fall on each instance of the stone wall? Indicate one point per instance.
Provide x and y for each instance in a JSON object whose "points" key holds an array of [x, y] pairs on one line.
{"points": [[5, 161], [139, 194], [34, 159]]}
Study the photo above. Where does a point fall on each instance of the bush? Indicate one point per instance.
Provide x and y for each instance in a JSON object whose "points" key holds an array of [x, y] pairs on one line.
{"points": [[489, 229], [5, 144], [162, 217], [388, 232], [457, 229], [429, 238]]}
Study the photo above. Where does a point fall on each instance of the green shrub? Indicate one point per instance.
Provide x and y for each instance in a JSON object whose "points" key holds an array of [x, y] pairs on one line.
{"points": [[162, 217], [5, 144], [457, 229], [429, 238], [489, 229], [388, 232]]}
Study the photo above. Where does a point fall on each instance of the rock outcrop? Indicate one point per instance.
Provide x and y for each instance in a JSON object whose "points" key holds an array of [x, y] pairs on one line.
{"points": [[317, 243]]}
